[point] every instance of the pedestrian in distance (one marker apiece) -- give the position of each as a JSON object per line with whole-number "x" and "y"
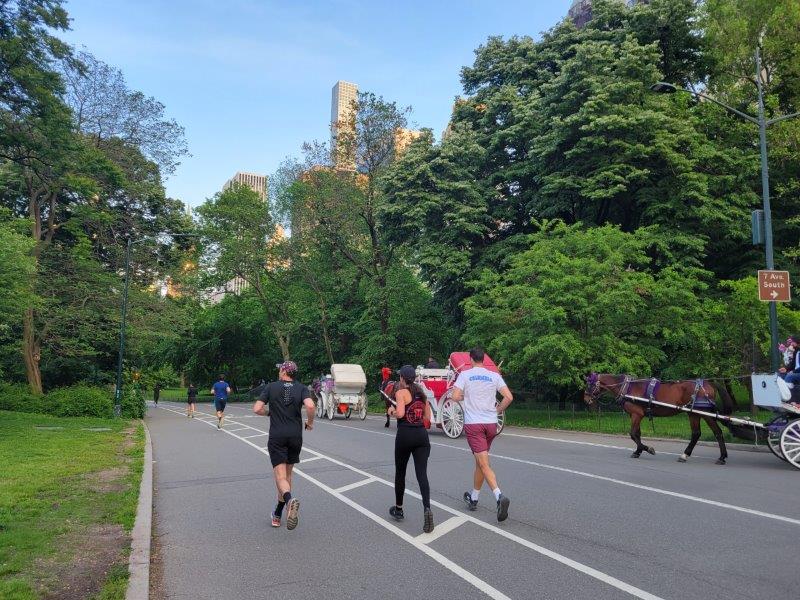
{"x": 413, "y": 419}
{"x": 191, "y": 400}
{"x": 156, "y": 393}
{"x": 283, "y": 401}
{"x": 220, "y": 389}
{"x": 477, "y": 388}
{"x": 386, "y": 373}
{"x": 432, "y": 363}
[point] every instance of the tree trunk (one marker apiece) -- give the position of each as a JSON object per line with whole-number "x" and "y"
{"x": 283, "y": 342}
{"x": 30, "y": 353}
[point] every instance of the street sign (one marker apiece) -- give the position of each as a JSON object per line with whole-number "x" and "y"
{"x": 773, "y": 286}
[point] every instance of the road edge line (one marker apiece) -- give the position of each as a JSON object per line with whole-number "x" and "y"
{"x": 139, "y": 562}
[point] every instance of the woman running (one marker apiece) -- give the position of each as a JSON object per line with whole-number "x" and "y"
{"x": 413, "y": 418}
{"x": 191, "y": 400}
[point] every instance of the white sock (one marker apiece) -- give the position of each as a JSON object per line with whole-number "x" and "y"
{"x": 496, "y": 492}
{"x": 474, "y": 495}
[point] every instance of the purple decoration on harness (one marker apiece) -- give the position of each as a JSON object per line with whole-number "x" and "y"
{"x": 652, "y": 388}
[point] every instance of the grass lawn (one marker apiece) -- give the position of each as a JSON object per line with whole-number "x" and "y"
{"x": 67, "y": 504}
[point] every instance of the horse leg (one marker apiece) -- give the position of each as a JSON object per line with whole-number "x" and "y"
{"x": 636, "y": 433}
{"x": 694, "y": 423}
{"x": 723, "y": 451}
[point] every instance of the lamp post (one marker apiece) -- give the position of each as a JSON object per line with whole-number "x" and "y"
{"x": 763, "y": 123}
{"x": 124, "y": 315}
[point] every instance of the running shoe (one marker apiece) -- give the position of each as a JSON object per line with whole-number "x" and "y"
{"x": 471, "y": 504}
{"x": 276, "y": 520}
{"x": 293, "y": 514}
{"x": 427, "y": 526}
{"x": 502, "y": 507}
{"x": 397, "y": 513}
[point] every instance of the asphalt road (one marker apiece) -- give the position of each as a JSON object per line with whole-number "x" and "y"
{"x": 586, "y": 520}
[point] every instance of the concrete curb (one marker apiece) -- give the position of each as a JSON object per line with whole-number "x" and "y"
{"x": 139, "y": 564}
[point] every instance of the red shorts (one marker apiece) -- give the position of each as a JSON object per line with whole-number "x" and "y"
{"x": 480, "y": 436}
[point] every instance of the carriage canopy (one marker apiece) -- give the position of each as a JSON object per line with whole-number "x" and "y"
{"x": 460, "y": 361}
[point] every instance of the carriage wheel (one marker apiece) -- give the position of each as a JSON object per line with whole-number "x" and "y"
{"x": 320, "y": 407}
{"x": 774, "y": 442}
{"x": 452, "y": 418}
{"x": 349, "y": 412}
{"x": 331, "y": 408}
{"x": 362, "y": 408}
{"x": 501, "y": 421}
{"x": 790, "y": 443}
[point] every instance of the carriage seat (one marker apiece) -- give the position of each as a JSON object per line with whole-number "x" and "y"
{"x": 437, "y": 386}
{"x": 784, "y": 389}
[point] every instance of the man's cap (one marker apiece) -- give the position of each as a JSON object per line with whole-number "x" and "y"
{"x": 287, "y": 367}
{"x": 408, "y": 372}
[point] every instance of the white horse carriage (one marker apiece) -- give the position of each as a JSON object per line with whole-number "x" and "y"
{"x": 342, "y": 392}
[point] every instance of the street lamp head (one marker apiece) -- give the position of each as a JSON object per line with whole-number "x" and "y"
{"x": 662, "y": 87}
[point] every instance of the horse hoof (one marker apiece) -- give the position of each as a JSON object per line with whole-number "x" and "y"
{"x": 682, "y": 459}
{"x": 651, "y": 450}
{"x": 720, "y": 461}
{"x": 636, "y": 455}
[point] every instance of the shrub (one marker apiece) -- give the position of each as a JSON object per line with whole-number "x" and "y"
{"x": 18, "y": 397}
{"x": 80, "y": 401}
{"x": 133, "y": 405}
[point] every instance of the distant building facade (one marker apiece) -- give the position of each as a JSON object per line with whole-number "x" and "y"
{"x": 581, "y": 10}
{"x": 256, "y": 182}
{"x": 403, "y": 138}
{"x": 343, "y": 95}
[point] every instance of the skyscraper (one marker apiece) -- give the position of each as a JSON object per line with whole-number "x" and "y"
{"x": 581, "y": 10}
{"x": 343, "y": 95}
{"x": 403, "y": 138}
{"x": 257, "y": 183}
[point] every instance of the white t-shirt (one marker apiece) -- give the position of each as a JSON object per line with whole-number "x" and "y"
{"x": 480, "y": 387}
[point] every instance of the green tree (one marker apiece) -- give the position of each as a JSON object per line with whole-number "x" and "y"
{"x": 241, "y": 242}
{"x": 555, "y": 313}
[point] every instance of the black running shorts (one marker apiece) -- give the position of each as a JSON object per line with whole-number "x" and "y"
{"x": 284, "y": 449}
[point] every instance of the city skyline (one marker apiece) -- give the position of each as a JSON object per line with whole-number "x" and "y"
{"x": 250, "y": 81}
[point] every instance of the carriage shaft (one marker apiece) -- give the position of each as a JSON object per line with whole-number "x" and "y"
{"x": 702, "y": 413}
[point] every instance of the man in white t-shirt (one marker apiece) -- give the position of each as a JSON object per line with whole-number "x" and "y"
{"x": 477, "y": 388}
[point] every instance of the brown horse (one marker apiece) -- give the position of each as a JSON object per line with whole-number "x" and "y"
{"x": 677, "y": 393}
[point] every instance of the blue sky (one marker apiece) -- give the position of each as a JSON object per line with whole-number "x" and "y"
{"x": 250, "y": 80}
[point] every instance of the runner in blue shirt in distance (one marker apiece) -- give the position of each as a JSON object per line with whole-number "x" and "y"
{"x": 220, "y": 389}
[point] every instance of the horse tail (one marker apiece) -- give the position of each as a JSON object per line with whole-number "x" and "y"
{"x": 726, "y": 400}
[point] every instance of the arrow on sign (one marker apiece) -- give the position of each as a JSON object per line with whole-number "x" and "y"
{"x": 774, "y": 294}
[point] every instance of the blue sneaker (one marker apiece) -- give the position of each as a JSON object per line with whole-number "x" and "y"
{"x": 471, "y": 504}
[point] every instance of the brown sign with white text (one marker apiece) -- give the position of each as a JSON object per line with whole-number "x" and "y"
{"x": 773, "y": 286}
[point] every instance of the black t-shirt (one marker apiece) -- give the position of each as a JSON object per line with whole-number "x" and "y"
{"x": 192, "y": 392}
{"x": 285, "y": 401}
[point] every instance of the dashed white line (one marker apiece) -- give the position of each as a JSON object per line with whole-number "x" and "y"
{"x": 357, "y": 484}
{"x": 444, "y": 561}
{"x": 734, "y": 507}
{"x": 441, "y": 529}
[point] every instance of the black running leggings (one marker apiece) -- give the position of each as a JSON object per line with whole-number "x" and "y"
{"x": 411, "y": 441}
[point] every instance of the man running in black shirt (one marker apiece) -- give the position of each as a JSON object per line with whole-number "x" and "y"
{"x": 282, "y": 400}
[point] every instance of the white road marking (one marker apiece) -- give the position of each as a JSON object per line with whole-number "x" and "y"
{"x": 444, "y": 561}
{"x": 734, "y": 507}
{"x": 240, "y": 428}
{"x": 352, "y": 486}
{"x": 454, "y": 568}
{"x": 305, "y": 460}
{"x": 440, "y": 530}
{"x": 247, "y": 437}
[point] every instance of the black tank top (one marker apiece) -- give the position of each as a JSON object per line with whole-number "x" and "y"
{"x": 415, "y": 410}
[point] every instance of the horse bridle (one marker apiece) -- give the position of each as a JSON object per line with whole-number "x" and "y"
{"x": 596, "y": 388}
